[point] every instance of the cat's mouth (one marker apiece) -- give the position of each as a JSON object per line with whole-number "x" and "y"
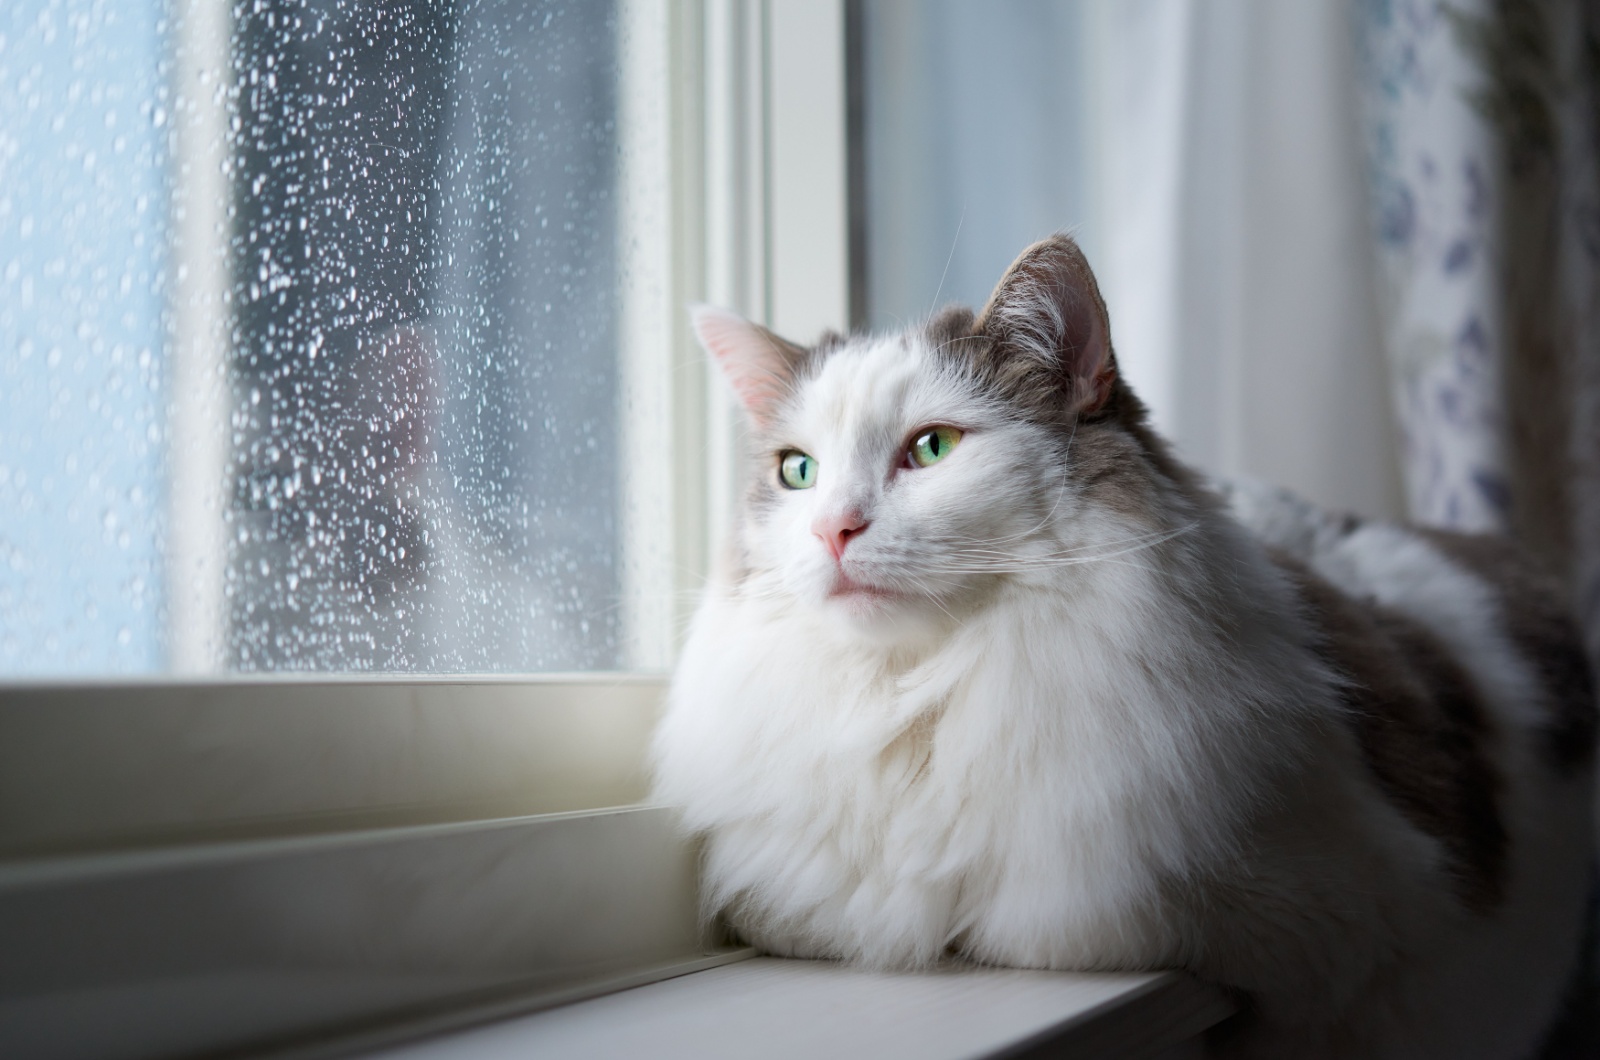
{"x": 847, "y": 588}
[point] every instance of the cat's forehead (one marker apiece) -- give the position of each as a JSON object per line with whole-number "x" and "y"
{"x": 876, "y": 380}
{"x": 872, "y": 372}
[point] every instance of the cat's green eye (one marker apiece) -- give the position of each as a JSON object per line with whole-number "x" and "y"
{"x": 797, "y": 470}
{"x": 933, "y": 445}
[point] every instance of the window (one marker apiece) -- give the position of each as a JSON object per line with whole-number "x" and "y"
{"x": 423, "y": 380}
{"x": 330, "y": 327}
{"x": 347, "y": 337}
{"x": 230, "y": 275}
{"x": 82, "y": 148}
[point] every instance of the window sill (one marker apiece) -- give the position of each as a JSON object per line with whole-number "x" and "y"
{"x": 796, "y": 1009}
{"x": 322, "y": 944}
{"x": 180, "y": 874}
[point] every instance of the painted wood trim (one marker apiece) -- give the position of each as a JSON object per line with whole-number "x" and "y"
{"x": 87, "y": 768}
{"x": 308, "y": 944}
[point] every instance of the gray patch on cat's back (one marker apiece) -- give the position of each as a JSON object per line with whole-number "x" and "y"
{"x": 1543, "y": 632}
{"x": 1422, "y": 728}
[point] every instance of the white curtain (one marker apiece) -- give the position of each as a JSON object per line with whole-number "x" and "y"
{"x": 1236, "y": 253}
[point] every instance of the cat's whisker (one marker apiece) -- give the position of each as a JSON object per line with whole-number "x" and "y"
{"x": 1026, "y": 569}
{"x": 1148, "y": 540}
{"x": 1061, "y": 490}
{"x": 978, "y": 544}
{"x": 1023, "y": 564}
{"x": 955, "y": 241}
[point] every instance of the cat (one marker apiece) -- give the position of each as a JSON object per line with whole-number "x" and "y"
{"x": 989, "y": 673}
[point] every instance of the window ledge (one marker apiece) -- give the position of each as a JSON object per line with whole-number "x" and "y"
{"x": 327, "y": 944}
{"x": 177, "y": 878}
{"x": 791, "y": 1009}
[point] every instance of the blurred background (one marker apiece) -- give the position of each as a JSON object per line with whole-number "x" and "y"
{"x": 312, "y": 343}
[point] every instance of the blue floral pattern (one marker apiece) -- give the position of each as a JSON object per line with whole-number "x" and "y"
{"x": 1483, "y": 136}
{"x": 1432, "y": 170}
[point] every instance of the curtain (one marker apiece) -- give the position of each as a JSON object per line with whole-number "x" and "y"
{"x": 1481, "y": 127}
{"x": 1482, "y": 119}
{"x": 1235, "y": 254}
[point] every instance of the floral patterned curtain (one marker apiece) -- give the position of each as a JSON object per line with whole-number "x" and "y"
{"x": 1482, "y": 125}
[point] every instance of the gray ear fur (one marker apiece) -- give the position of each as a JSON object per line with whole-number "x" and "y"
{"x": 1049, "y": 327}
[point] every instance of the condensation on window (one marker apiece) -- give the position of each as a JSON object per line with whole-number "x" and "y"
{"x": 390, "y": 442}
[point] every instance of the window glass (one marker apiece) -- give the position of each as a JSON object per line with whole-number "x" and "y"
{"x": 309, "y": 340}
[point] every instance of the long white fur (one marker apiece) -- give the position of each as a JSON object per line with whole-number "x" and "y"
{"x": 1041, "y": 754}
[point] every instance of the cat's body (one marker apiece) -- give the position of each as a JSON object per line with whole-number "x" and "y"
{"x": 1044, "y": 702}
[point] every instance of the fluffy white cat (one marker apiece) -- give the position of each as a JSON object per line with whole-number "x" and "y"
{"x": 988, "y": 672}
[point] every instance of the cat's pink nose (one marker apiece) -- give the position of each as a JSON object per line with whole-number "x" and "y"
{"x": 836, "y": 530}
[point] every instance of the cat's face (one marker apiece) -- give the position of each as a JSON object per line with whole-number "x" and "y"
{"x": 899, "y": 479}
{"x": 892, "y": 489}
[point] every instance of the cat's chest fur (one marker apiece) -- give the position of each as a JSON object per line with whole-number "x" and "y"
{"x": 1016, "y": 789}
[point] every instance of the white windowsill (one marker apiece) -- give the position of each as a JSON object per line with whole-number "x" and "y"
{"x": 782, "y": 1009}
{"x": 169, "y": 849}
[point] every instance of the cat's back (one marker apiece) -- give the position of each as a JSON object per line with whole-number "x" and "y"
{"x": 1470, "y": 698}
{"x": 1464, "y": 621}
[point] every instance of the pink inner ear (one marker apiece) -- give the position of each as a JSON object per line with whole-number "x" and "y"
{"x": 1088, "y": 351}
{"x": 752, "y": 359}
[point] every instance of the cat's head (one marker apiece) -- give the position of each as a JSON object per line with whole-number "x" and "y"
{"x": 897, "y": 480}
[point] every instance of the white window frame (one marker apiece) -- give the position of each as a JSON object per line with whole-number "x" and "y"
{"x": 741, "y": 105}
{"x": 110, "y": 786}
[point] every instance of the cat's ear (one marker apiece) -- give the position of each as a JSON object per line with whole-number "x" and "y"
{"x": 1046, "y": 318}
{"x": 760, "y": 366}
